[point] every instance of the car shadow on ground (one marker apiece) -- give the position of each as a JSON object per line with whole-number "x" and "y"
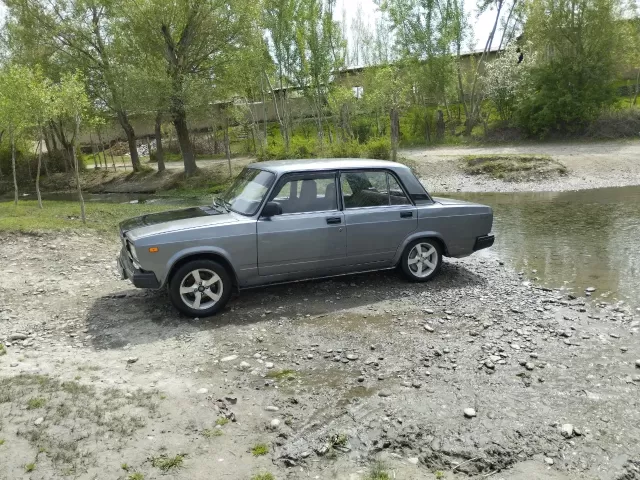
{"x": 135, "y": 316}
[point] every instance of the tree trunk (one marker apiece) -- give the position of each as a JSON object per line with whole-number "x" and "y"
{"x": 104, "y": 154}
{"x": 13, "y": 167}
{"x": 159, "y": 149}
{"x": 395, "y": 133}
{"x": 113, "y": 160}
{"x": 635, "y": 97}
{"x": 123, "y": 119}
{"x": 283, "y": 128}
{"x": 93, "y": 152}
{"x": 227, "y": 146}
{"x": 182, "y": 132}
{"x": 440, "y": 125}
{"x": 75, "y": 164}
{"x": 38, "y": 172}
{"x": 148, "y": 147}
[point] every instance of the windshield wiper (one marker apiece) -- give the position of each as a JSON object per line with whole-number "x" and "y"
{"x": 220, "y": 204}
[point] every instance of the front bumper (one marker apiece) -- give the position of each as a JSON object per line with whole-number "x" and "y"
{"x": 139, "y": 278}
{"x": 485, "y": 241}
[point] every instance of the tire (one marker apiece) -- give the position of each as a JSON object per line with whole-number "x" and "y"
{"x": 203, "y": 294}
{"x": 429, "y": 267}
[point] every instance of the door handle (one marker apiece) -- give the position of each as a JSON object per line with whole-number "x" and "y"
{"x": 333, "y": 220}
{"x": 406, "y": 214}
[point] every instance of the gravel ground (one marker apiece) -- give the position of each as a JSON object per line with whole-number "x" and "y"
{"x": 590, "y": 165}
{"x": 476, "y": 374}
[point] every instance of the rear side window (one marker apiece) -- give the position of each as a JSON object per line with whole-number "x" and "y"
{"x": 307, "y": 193}
{"x": 371, "y": 189}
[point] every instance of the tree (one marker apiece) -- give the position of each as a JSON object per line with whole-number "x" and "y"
{"x": 196, "y": 40}
{"x": 580, "y": 46}
{"x": 71, "y": 102}
{"x": 83, "y": 33}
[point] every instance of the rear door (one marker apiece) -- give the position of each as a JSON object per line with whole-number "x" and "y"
{"x": 378, "y": 214}
{"x": 309, "y": 237}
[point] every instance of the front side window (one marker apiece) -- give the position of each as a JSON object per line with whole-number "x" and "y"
{"x": 307, "y": 193}
{"x": 371, "y": 189}
{"x": 248, "y": 190}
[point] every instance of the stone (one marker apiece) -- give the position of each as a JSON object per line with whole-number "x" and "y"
{"x": 384, "y": 393}
{"x": 17, "y": 336}
{"x": 416, "y": 384}
{"x": 271, "y": 408}
{"x": 352, "y": 357}
{"x": 590, "y": 289}
{"x": 548, "y": 461}
{"x": 274, "y": 424}
{"x": 244, "y": 366}
{"x": 428, "y": 327}
{"x": 203, "y": 391}
{"x": 489, "y": 364}
{"x": 231, "y": 400}
{"x": 269, "y": 365}
{"x": 529, "y": 366}
{"x": 229, "y": 358}
{"x": 310, "y": 356}
{"x": 38, "y": 421}
{"x": 131, "y": 360}
{"x": 469, "y": 412}
{"x": 638, "y": 363}
{"x": 567, "y": 430}
{"x": 413, "y": 460}
{"x": 428, "y": 311}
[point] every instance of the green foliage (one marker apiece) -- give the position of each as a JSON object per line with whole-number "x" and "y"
{"x": 212, "y": 432}
{"x": 378, "y": 148}
{"x": 346, "y": 149}
{"x": 263, "y": 476}
{"x": 260, "y": 449}
{"x": 35, "y": 403}
{"x": 378, "y": 471}
{"x": 166, "y": 463}
{"x": 513, "y": 167}
{"x": 281, "y": 374}
{"x": 3, "y": 349}
{"x": 222, "y": 421}
{"x": 135, "y": 476}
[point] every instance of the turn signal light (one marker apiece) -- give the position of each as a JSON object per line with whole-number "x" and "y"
{"x": 153, "y": 249}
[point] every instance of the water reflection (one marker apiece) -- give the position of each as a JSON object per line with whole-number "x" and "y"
{"x": 572, "y": 239}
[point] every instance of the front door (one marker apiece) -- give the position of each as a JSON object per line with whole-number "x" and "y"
{"x": 379, "y": 216}
{"x": 309, "y": 237}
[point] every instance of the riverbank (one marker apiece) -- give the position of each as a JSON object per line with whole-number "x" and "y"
{"x": 474, "y": 374}
{"x": 589, "y": 165}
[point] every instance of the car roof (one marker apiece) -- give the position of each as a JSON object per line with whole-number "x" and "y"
{"x": 285, "y": 166}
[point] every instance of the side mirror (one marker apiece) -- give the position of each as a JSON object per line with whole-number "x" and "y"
{"x": 271, "y": 209}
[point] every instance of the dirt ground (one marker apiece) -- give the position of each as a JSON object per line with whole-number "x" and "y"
{"x": 589, "y": 164}
{"x": 319, "y": 380}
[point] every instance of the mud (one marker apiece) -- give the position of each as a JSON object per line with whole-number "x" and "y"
{"x": 356, "y": 377}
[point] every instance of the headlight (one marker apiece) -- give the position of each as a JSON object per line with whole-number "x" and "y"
{"x": 134, "y": 254}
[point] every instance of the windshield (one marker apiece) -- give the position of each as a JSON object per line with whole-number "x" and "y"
{"x": 248, "y": 190}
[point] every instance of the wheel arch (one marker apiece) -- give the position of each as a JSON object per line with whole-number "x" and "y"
{"x": 208, "y": 255}
{"x": 435, "y": 236}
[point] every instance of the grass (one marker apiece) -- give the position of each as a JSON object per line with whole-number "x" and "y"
{"x": 35, "y": 403}
{"x": 1, "y": 441}
{"x": 3, "y": 349}
{"x": 65, "y": 216}
{"x": 378, "y": 471}
{"x": 260, "y": 449}
{"x": 281, "y": 374}
{"x": 222, "y": 421}
{"x": 166, "y": 463}
{"x": 212, "y": 432}
{"x": 29, "y": 467}
{"x": 263, "y": 476}
{"x": 513, "y": 167}
{"x": 135, "y": 476}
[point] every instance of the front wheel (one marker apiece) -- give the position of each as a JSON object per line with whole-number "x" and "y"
{"x": 422, "y": 260}
{"x": 200, "y": 288}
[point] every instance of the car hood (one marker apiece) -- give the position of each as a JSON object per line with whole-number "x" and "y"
{"x": 174, "y": 220}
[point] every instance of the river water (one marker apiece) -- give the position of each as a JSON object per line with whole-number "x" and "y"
{"x": 570, "y": 240}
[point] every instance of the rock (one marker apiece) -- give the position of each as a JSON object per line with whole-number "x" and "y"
{"x": 352, "y": 357}
{"x": 17, "y": 336}
{"x": 269, "y": 365}
{"x": 548, "y": 461}
{"x": 529, "y": 366}
{"x": 274, "y": 424}
{"x": 360, "y": 379}
{"x": 416, "y": 384}
{"x": 567, "y": 430}
{"x": 13, "y": 364}
{"x": 131, "y": 360}
{"x": 229, "y": 358}
{"x": 310, "y": 356}
{"x": 384, "y": 393}
{"x": 590, "y": 289}
{"x": 638, "y": 363}
{"x": 428, "y": 327}
{"x": 469, "y": 412}
{"x": 515, "y": 346}
{"x": 231, "y": 400}
{"x": 271, "y": 408}
{"x": 489, "y": 364}
{"x": 413, "y": 460}
{"x": 202, "y": 391}
{"x": 38, "y": 421}
{"x": 244, "y": 366}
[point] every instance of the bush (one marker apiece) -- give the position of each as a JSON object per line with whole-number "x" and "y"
{"x": 348, "y": 149}
{"x": 616, "y": 124}
{"x": 378, "y": 148}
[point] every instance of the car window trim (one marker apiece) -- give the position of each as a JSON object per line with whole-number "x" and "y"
{"x": 388, "y": 172}
{"x": 265, "y": 196}
{"x": 289, "y": 176}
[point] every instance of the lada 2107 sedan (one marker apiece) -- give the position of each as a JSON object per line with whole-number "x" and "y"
{"x": 285, "y": 221}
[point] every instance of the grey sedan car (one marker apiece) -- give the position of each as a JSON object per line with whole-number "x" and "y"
{"x": 294, "y": 220}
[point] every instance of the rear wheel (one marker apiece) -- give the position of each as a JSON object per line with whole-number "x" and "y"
{"x": 200, "y": 288}
{"x": 422, "y": 259}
